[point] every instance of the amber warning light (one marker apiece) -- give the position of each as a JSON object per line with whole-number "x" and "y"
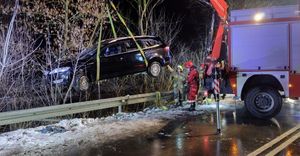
{"x": 234, "y": 86}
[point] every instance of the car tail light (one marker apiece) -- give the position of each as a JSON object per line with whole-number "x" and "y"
{"x": 167, "y": 49}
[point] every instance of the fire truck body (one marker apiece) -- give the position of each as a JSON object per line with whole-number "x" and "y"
{"x": 264, "y": 55}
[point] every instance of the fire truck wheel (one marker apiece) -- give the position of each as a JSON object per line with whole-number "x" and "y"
{"x": 263, "y": 102}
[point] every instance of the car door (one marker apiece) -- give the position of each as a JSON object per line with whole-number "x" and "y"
{"x": 112, "y": 62}
{"x": 133, "y": 57}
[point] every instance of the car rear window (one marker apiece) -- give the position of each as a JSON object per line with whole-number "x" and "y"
{"x": 151, "y": 42}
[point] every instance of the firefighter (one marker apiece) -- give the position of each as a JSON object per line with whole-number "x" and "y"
{"x": 178, "y": 79}
{"x": 201, "y": 74}
{"x": 193, "y": 84}
{"x": 185, "y": 90}
{"x": 202, "y": 95}
{"x": 223, "y": 71}
{"x": 208, "y": 76}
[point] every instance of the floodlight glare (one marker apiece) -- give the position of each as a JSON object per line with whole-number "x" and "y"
{"x": 259, "y": 16}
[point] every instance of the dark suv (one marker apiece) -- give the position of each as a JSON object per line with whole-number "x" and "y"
{"x": 118, "y": 57}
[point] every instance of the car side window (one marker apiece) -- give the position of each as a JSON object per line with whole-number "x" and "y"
{"x": 113, "y": 50}
{"x": 148, "y": 43}
{"x": 130, "y": 45}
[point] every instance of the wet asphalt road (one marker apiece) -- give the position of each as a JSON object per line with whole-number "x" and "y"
{"x": 241, "y": 135}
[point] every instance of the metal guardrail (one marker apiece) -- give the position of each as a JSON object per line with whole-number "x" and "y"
{"x": 34, "y": 114}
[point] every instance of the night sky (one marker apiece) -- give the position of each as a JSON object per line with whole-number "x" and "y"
{"x": 195, "y": 19}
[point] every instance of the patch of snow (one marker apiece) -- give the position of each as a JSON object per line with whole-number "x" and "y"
{"x": 75, "y": 135}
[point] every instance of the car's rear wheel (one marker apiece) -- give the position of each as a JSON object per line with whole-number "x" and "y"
{"x": 154, "y": 69}
{"x": 81, "y": 83}
{"x": 263, "y": 102}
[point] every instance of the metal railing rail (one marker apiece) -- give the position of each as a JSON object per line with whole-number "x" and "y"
{"x": 34, "y": 114}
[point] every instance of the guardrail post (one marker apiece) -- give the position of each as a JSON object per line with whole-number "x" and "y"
{"x": 158, "y": 98}
{"x": 119, "y": 109}
{"x": 124, "y": 102}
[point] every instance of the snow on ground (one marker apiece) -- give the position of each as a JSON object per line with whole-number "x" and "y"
{"x": 68, "y": 137}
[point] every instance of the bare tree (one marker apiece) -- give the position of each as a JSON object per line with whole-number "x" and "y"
{"x": 145, "y": 10}
{"x": 165, "y": 27}
{"x": 5, "y": 53}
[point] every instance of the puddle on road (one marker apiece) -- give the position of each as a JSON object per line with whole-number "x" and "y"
{"x": 241, "y": 135}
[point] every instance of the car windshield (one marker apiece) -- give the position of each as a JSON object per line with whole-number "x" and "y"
{"x": 88, "y": 53}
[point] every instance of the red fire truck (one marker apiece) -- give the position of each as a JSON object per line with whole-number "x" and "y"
{"x": 263, "y": 55}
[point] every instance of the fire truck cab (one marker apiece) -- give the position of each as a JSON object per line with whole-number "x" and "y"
{"x": 264, "y": 57}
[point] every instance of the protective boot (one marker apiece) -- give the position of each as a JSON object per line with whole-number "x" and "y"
{"x": 179, "y": 104}
{"x": 223, "y": 96}
{"x": 193, "y": 107}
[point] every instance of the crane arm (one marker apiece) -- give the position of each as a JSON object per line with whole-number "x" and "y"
{"x": 221, "y": 8}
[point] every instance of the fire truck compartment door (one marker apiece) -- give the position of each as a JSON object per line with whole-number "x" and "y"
{"x": 260, "y": 46}
{"x": 295, "y": 47}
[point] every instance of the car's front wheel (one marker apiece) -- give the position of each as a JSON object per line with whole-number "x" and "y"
{"x": 154, "y": 69}
{"x": 81, "y": 83}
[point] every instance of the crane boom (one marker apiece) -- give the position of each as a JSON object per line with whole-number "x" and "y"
{"x": 221, "y": 8}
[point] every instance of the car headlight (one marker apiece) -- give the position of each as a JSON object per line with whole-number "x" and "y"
{"x": 45, "y": 72}
{"x": 59, "y": 70}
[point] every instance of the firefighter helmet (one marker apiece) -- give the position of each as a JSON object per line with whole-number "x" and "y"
{"x": 180, "y": 67}
{"x": 188, "y": 64}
